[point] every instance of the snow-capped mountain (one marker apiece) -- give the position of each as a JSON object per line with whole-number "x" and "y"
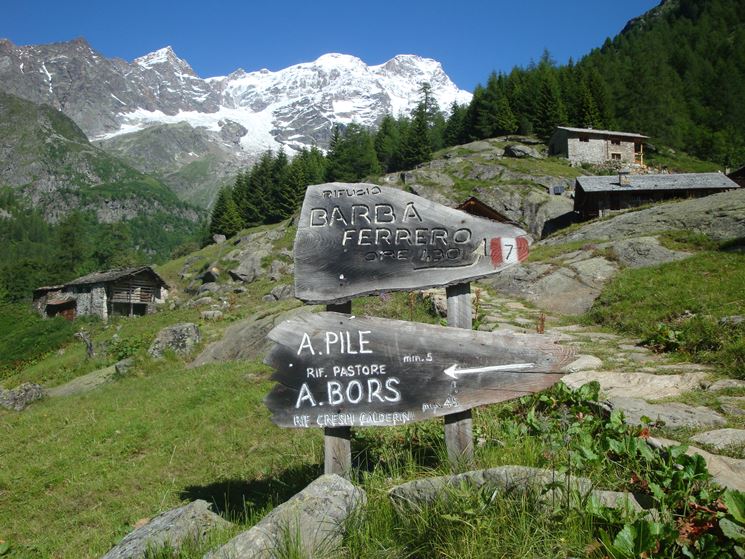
{"x": 244, "y": 113}
{"x": 295, "y": 106}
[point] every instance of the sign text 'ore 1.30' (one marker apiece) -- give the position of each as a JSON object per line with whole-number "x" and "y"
{"x": 358, "y": 239}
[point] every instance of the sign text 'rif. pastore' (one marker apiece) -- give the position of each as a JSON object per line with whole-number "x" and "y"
{"x": 337, "y": 370}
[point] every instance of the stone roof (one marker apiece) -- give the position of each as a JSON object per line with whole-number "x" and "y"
{"x": 104, "y": 277}
{"x": 681, "y": 181}
{"x": 601, "y": 132}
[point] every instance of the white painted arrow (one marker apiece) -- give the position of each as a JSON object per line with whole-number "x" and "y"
{"x": 453, "y": 370}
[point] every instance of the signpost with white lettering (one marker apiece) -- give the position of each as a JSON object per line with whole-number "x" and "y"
{"x": 357, "y": 239}
{"x": 336, "y": 371}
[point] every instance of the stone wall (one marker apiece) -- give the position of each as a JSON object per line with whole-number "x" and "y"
{"x": 599, "y": 150}
{"x": 91, "y": 300}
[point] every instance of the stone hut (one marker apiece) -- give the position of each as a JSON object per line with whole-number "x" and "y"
{"x": 597, "y": 196}
{"x": 587, "y": 145}
{"x": 127, "y": 292}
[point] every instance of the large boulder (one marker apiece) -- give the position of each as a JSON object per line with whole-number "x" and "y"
{"x": 312, "y": 521}
{"x": 643, "y": 251}
{"x": 187, "y": 524}
{"x": 179, "y": 338}
{"x": 245, "y": 339}
{"x": 21, "y": 396}
{"x": 520, "y": 151}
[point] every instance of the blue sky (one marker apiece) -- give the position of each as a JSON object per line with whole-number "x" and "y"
{"x": 470, "y": 37}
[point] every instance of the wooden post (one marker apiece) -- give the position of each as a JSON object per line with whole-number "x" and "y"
{"x": 337, "y": 447}
{"x": 459, "y": 426}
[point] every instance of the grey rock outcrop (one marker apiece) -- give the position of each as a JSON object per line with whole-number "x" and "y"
{"x": 569, "y": 289}
{"x": 21, "y": 396}
{"x": 520, "y": 151}
{"x": 282, "y": 292}
{"x": 721, "y": 439}
{"x": 245, "y": 339}
{"x": 584, "y": 363}
{"x": 250, "y": 253}
{"x": 718, "y": 216}
{"x": 189, "y": 523}
{"x": 507, "y": 480}
{"x": 672, "y": 414}
{"x": 727, "y": 384}
{"x": 643, "y": 251}
{"x": 85, "y": 383}
{"x": 179, "y": 338}
{"x": 518, "y": 480}
{"x": 638, "y": 385}
{"x": 313, "y": 521}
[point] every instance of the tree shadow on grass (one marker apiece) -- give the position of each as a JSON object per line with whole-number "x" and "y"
{"x": 238, "y": 499}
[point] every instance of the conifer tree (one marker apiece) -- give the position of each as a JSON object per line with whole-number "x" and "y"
{"x": 551, "y": 111}
{"x": 589, "y": 116}
{"x": 353, "y": 156}
{"x": 416, "y": 148}
{"x": 388, "y": 144}
{"x": 226, "y": 219}
{"x": 455, "y": 125}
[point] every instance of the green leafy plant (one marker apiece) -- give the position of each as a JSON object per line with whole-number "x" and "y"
{"x": 123, "y": 347}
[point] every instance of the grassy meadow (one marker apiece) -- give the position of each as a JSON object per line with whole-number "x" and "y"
{"x": 77, "y": 473}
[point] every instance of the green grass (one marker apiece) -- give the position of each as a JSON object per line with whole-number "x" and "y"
{"x": 547, "y": 253}
{"x": 26, "y": 338}
{"x": 678, "y": 306}
{"x": 679, "y": 162}
{"x": 78, "y": 472}
{"x": 552, "y": 166}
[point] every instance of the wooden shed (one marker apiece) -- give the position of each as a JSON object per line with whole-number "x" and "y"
{"x": 127, "y": 291}
{"x": 474, "y": 206}
{"x": 738, "y": 176}
{"x": 595, "y": 196}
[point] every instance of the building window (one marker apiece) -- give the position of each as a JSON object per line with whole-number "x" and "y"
{"x": 584, "y": 138}
{"x": 615, "y": 156}
{"x": 616, "y": 142}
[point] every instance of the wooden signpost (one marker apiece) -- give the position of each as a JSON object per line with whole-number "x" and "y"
{"x": 356, "y": 239}
{"x": 336, "y": 371}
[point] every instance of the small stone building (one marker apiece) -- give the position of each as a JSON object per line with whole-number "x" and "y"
{"x": 127, "y": 292}
{"x": 587, "y": 145}
{"x": 597, "y": 196}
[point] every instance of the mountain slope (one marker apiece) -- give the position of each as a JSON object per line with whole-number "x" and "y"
{"x": 48, "y": 161}
{"x": 223, "y": 122}
{"x": 295, "y": 106}
{"x": 677, "y": 73}
{"x": 192, "y": 162}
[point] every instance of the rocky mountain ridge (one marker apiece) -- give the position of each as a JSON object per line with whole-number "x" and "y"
{"x": 107, "y": 97}
{"x": 230, "y": 120}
